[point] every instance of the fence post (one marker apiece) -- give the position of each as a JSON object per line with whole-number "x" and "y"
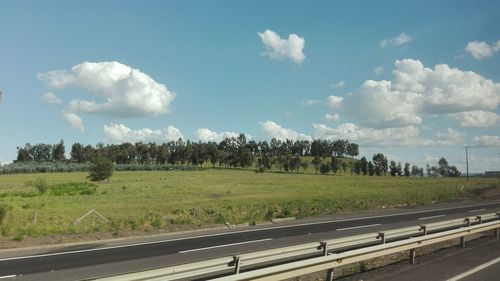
{"x": 35, "y": 216}
{"x": 462, "y": 241}
{"x": 413, "y": 254}
{"x": 497, "y": 233}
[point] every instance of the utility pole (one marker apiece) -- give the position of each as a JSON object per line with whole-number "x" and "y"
{"x": 467, "y": 160}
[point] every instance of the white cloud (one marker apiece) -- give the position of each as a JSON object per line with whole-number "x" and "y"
{"x": 338, "y": 85}
{"x": 310, "y": 102}
{"x": 51, "y": 98}
{"x": 119, "y": 133}
{"x": 334, "y": 102}
{"x": 74, "y": 120}
{"x": 481, "y": 50}
{"x": 402, "y": 136}
{"x": 378, "y": 70}
{"x": 332, "y": 117}
{"x": 278, "y": 48}
{"x": 476, "y": 119}
{"x": 206, "y": 135}
{"x": 273, "y": 130}
{"x": 417, "y": 90}
{"x": 377, "y": 104}
{"x": 399, "y": 40}
{"x": 451, "y": 137}
{"x": 126, "y": 92}
{"x": 487, "y": 141}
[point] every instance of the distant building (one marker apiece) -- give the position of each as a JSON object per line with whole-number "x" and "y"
{"x": 492, "y": 174}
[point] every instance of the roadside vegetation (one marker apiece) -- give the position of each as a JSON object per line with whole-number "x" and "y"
{"x": 50, "y": 203}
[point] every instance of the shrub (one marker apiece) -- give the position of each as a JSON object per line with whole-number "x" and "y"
{"x": 74, "y": 188}
{"x": 101, "y": 169}
{"x": 40, "y": 184}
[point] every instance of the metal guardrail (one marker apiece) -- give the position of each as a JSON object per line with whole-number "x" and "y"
{"x": 423, "y": 232}
{"x": 329, "y": 262}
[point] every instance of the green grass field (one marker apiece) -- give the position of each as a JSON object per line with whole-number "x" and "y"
{"x": 160, "y": 200}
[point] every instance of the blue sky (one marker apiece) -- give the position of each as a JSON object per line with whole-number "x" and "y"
{"x": 415, "y": 80}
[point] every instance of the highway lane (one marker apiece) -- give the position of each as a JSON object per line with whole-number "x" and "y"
{"x": 80, "y": 258}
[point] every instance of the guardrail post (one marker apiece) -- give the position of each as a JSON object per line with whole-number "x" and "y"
{"x": 497, "y": 233}
{"x": 329, "y": 275}
{"x": 324, "y": 246}
{"x": 480, "y": 219}
{"x": 413, "y": 255}
{"x": 467, "y": 220}
{"x": 424, "y": 229}
{"x": 237, "y": 264}
{"x": 462, "y": 241}
{"x": 381, "y": 235}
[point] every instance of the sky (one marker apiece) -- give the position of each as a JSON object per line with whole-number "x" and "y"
{"x": 415, "y": 80}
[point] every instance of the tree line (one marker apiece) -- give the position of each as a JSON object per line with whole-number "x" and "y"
{"x": 236, "y": 152}
{"x": 230, "y": 152}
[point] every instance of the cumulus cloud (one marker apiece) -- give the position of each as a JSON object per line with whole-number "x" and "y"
{"x": 122, "y": 91}
{"x": 378, "y": 70}
{"x": 417, "y": 90}
{"x": 273, "y": 130}
{"x": 334, "y": 102}
{"x": 51, "y": 98}
{"x": 402, "y": 136}
{"x": 476, "y": 119}
{"x": 310, "y": 102}
{"x": 332, "y": 117}
{"x": 206, "y": 135}
{"x": 338, "y": 85}
{"x": 399, "y": 40}
{"x": 486, "y": 141}
{"x": 278, "y": 48}
{"x": 74, "y": 120}
{"x": 119, "y": 133}
{"x": 481, "y": 50}
{"x": 451, "y": 137}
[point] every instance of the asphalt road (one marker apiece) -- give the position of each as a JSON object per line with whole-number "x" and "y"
{"x": 185, "y": 249}
{"x": 479, "y": 261}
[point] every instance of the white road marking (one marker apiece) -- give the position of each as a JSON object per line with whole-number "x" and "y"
{"x": 7, "y": 276}
{"x": 229, "y": 233}
{"x": 426, "y": 218}
{"x": 474, "y": 270}
{"x": 477, "y": 210}
{"x": 361, "y": 226}
{"x": 225, "y": 245}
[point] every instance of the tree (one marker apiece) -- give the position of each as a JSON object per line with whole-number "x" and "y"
{"x": 100, "y": 169}
{"x": 316, "y": 163}
{"x": 415, "y": 171}
{"x": 364, "y": 165}
{"x": 380, "y": 163}
{"x": 325, "y": 169}
{"x": 335, "y": 164}
{"x": 357, "y": 168}
{"x": 304, "y": 165}
{"x": 443, "y": 167}
{"x": 58, "y": 152}
{"x": 407, "y": 170}
{"x": 353, "y": 150}
{"x": 393, "y": 168}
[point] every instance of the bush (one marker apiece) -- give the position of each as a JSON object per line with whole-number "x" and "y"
{"x": 75, "y": 188}
{"x": 40, "y": 184}
{"x": 101, "y": 169}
